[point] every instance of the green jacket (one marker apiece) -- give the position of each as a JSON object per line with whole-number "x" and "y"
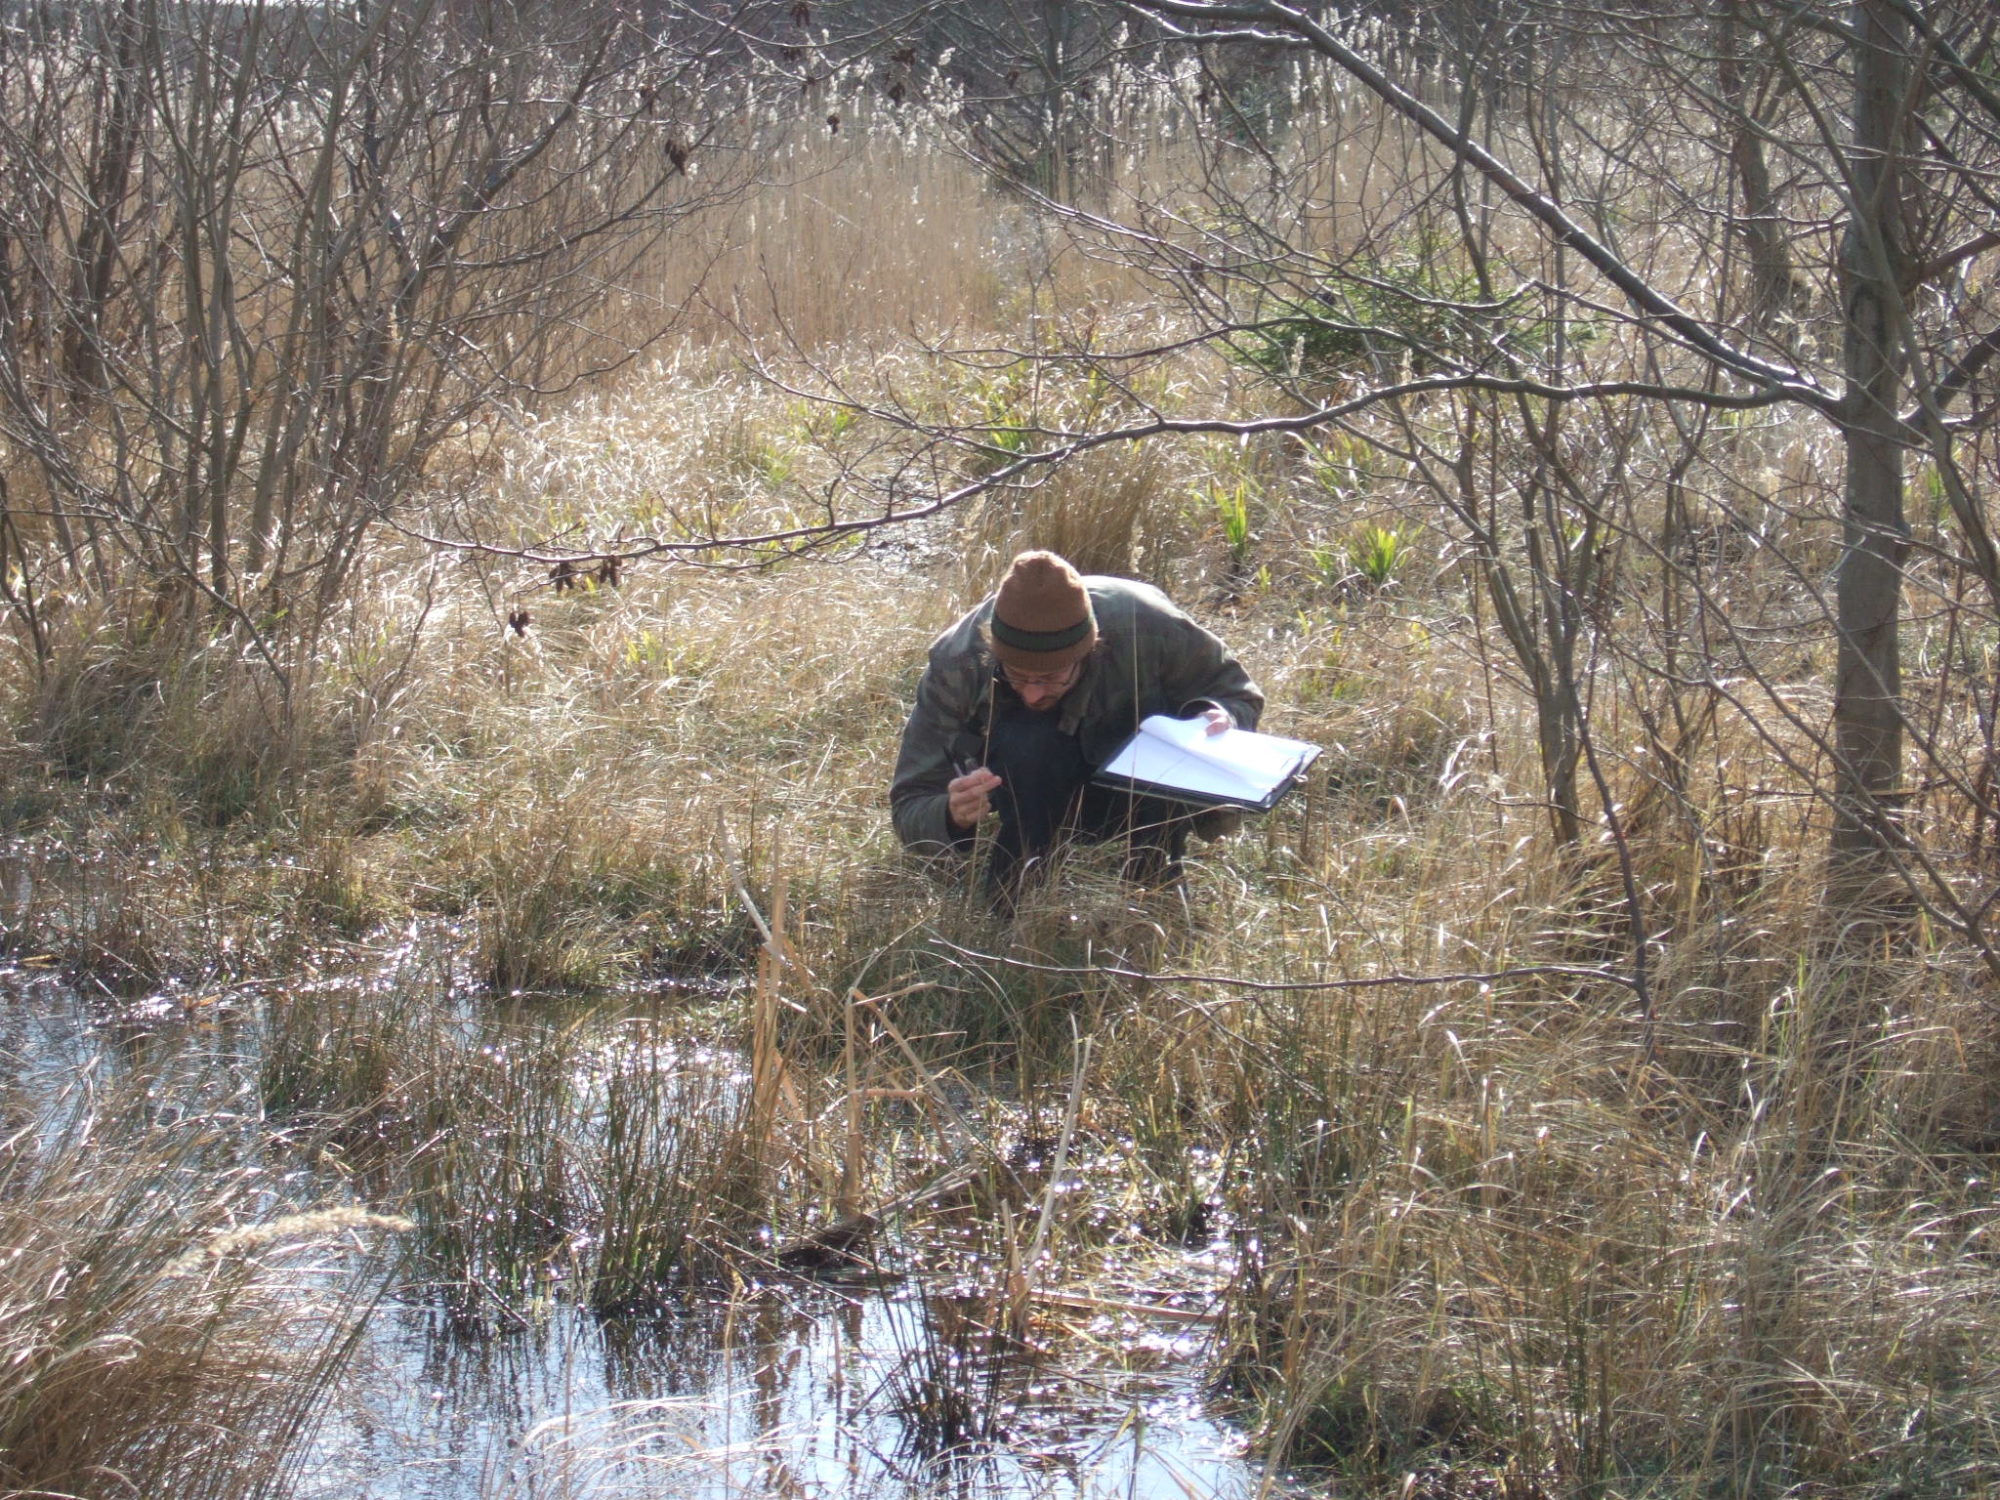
{"x": 1150, "y": 659}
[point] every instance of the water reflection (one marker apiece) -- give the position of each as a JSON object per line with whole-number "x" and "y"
{"x": 783, "y": 1389}
{"x": 786, "y": 1391}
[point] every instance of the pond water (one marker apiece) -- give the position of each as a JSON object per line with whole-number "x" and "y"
{"x": 784, "y": 1387}
{"x": 789, "y": 1391}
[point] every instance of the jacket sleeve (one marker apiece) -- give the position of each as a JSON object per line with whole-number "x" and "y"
{"x": 1204, "y": 672}
{"x": 923, "y": 767}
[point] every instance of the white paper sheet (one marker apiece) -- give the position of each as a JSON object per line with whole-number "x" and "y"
{"x": 1238, "y": 765}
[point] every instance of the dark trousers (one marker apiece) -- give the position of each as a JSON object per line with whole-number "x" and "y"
{"x": 1046, "y": 796}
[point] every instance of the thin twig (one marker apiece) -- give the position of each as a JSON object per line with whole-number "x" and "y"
{"x": 1379, "y": 981}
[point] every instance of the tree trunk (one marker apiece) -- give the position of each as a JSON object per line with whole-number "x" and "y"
{"x": 1868, "y": 730}
{"x": 110, "y": 175}
{"x": 1774, "y": 287}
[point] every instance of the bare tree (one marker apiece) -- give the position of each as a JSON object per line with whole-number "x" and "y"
{"x": 259, "y": 264}
{"x": 1839, "y": 286}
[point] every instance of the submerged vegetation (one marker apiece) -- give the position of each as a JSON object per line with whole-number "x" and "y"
{"x": 471, "y": 853}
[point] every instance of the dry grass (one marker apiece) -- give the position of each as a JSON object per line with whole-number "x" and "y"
{"x": 1478, "y": 1232}
{"x": 158, "y": 1339}
{"x": 1533, "y": 1233}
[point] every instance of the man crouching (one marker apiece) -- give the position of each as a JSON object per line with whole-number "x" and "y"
{"x": 1026, "y": 696}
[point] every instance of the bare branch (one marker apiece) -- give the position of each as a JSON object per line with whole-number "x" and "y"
{"x": 1299, "y": 986}
{"x": 1658, "y": 309}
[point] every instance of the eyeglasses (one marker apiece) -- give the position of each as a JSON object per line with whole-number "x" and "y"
{"x": 1039, "y": 681}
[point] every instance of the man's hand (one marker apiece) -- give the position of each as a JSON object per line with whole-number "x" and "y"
{"x": 1217, "y": 719}
{"x": 968, "y": 798}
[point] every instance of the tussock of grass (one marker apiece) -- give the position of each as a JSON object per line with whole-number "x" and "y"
{"x": 676, "y": 1182}
{"x": 157, "y": 1338}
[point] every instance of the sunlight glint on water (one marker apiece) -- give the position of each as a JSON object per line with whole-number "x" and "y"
{"x": 794, "y": 1390}
{"x": 789, "y": 1395}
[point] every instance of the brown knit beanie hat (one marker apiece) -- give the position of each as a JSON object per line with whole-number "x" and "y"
{"x": 1042, "y": 620}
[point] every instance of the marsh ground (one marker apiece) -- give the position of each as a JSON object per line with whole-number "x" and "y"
{"x": 567, "y": 968}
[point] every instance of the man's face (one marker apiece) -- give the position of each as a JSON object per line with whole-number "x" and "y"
{"x": 1042, "y": 691}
